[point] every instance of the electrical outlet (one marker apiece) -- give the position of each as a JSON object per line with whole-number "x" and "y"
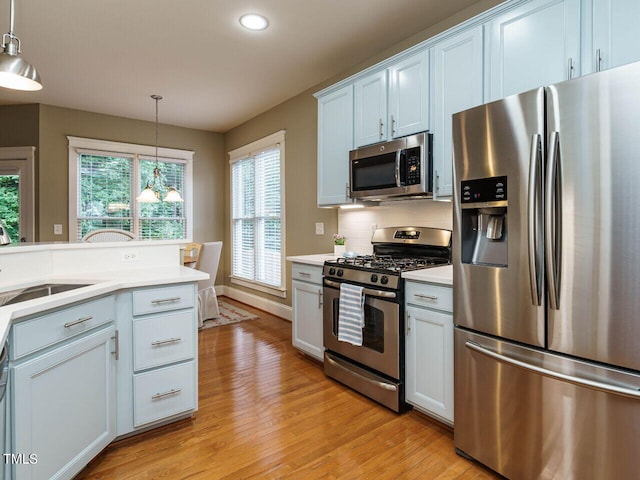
{"x": 374, "y": 227}
{"x": 130, "y": 256}
{"x": 320, "y": 228}
{"x": 57, "y": 229}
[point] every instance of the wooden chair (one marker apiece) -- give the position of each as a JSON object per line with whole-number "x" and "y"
{"x": 109, "y": 235}
{"x": 192, "y": 254}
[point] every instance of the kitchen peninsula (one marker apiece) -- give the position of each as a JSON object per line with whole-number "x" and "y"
{"x": 113, "y": 357}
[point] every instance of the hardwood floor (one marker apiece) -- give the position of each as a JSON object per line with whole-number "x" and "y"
{"x": 267, "y": 411}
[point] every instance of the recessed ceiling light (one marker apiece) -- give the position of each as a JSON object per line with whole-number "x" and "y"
{"x": 254, "y": 21}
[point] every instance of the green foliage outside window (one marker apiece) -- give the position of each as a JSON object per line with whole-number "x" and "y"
{"x": 10, "y": 205}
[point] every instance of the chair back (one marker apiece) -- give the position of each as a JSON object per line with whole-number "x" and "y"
{"x": 208, "y": 262}
{"x": 191, "y": 254}
{"x": 109, "y": 235}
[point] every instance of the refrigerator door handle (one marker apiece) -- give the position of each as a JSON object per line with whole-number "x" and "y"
{"x": 563, "y": 377}
{"x": 533, "y": 208}
{"x": 553, "y": 221}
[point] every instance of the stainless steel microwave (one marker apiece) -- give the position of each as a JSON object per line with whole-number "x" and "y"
{"x": 399, "y": 168}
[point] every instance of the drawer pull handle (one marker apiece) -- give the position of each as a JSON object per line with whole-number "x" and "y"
{"x": 173, "y": 391}
{"x": 80, "y": 320}
{"x": 159, "y": 343}
{"x": 427, "y": 297}
{"x": 304, "y": 274}
{"x": 165, "y": 300}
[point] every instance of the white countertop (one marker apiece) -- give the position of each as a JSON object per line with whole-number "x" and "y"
{"x": 158, "y": 264}
{"x": 442, "y": 275}
{"x": 317, "y": 259}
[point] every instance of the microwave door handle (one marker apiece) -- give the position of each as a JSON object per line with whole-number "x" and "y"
{"x": 398, "y": 157}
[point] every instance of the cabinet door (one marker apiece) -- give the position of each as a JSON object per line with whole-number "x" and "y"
{"x": 457, "y": 73}
{"x": 409, "y": 95}
{"x": 429, "y": 361}
{"x": 335, "y": 139}
{"x": 307, "y": 318}
{"x": 616, "y": 36}
{"x": 370, "y": 121}
{"x": 533, "y": 45}
{"x": 64, "y": 407}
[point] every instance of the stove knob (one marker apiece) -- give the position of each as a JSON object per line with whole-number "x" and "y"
{"x": 384, "y": 280}
{"x": 340, "y": 272}
{"x": 332, "y": 271}
{"x": 374, "y": 278}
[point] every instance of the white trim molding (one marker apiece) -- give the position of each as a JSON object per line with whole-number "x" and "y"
{"x": 274, "y": 308}
{"x": 23, "y": 159}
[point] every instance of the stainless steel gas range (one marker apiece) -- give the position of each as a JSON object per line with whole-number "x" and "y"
{"x": 374, "y": 366}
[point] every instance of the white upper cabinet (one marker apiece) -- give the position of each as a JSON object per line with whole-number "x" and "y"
{"x": 532, "y": 45}
{"x": 409, "y": 95}
{"x": 335, "y": 139}
{"x": 616, "y": 34}
{"x": 393, "y": 102}
{"x": 457, "y": 77}
{"x": 371, "y": 109}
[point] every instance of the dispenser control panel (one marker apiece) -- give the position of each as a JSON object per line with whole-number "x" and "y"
{"x": 491, "y": 189}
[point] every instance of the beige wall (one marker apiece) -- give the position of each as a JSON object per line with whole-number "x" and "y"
{"x": 56, "y": 123}
{"x": 298, "y": 116}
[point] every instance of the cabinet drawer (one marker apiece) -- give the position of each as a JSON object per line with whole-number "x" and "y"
{"x": 163, "y": 393}
{"x": 163, "y": 339}
{"x": 306, "y": 273}
{"x": 40, "y": 332}
{"x": 429, "y": 295}
{"x": 163, "y": 299}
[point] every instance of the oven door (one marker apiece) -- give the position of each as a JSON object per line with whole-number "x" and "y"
{"x": 380, "y": 348}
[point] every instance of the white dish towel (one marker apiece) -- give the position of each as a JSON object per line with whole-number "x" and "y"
{"x": 351, "y": 314}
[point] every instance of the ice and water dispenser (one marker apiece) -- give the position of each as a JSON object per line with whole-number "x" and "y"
{"x": 484, "y": 221}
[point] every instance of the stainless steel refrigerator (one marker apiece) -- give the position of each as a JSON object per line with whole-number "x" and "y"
{"x": 546, "y": 254}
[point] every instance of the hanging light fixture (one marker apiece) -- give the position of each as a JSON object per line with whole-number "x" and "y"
{"x": 15, "y": 72}
{"x": 151, "y": 193}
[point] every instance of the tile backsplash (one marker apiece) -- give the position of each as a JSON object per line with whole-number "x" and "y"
{"x": 357, "y": 224}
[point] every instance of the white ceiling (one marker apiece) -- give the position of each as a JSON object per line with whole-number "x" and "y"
{"x": 109, "y": 56}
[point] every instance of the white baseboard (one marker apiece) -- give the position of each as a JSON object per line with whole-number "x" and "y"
{"x": 274, "y": 308}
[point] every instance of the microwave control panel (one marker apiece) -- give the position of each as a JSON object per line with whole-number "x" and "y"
{"x": 412, "y": 159}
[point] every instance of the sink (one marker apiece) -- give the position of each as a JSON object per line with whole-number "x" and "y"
{"x": 22, "y": 295}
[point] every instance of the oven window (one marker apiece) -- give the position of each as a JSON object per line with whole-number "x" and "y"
{"x": 373, "y": 332}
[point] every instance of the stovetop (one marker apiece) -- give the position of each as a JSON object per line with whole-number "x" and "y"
{"x": 395, "y": 250}
{"x": 385, "y": 263}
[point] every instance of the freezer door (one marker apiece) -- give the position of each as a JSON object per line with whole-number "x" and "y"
{"x": 497, "y": 241}
{"x": 593, "y": 218}
{"x": 528, "y": 414}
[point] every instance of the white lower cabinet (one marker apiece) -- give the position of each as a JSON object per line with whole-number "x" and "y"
{"x": 307, "y": 310}
{"x": 63, "y": 405}
{"x": 429, "y": 350}
{"x": 158, "y": 368}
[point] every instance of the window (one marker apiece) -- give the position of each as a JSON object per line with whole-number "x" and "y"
{"x": 257, "y": 200}
{"x": 106, "y": 177}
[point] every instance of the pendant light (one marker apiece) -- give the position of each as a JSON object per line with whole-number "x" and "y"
{"x": 149, "y": 194}
{"x": 15, "y": 72}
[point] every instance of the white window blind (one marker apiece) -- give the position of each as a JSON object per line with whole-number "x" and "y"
{"x": 104, "y": 193}
{"x": 106, "y": 177}
{"x": 256, "y": 217}
{"x": 162, "y": 220}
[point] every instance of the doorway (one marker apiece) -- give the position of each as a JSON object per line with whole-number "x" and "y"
{"x": 17, "y": 192}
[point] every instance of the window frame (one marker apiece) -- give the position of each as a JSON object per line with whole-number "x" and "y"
{"x": 78, "y": 145}
{"x": 241, "y": 153}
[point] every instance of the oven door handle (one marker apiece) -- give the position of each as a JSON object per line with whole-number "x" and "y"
{"x": 385, "y": 386}
{"x": 365, "y": 291}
